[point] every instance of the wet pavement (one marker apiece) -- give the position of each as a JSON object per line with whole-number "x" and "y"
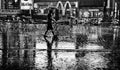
{"x": 77, "y": 48}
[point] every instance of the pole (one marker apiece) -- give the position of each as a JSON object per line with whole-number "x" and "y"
{"x": 4, "y": 51}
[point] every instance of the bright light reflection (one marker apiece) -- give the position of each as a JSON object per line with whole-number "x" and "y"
{"x": 64, "y": 45}
{"x": 61, "y": 45}
{"x": 41, "y": 45}
{"x": 96, "y": 60}
{"x": 64, "y": 60}
{"x": 92, "y": 47}
{"x": 41, "y": 59}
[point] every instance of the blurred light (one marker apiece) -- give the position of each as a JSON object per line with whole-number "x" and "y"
{"x": 74, "y": 12}
{"x": 80, "y": 14}
{"x": 16, "y": 0}
{"x": 35, "y": 5}
{"x": 86, "y": 14}
{"x": 93, "y": 36}
{"x": 40, "y": 11}
{"x": 100, "y": 14}
{"x": 108, "y": 4}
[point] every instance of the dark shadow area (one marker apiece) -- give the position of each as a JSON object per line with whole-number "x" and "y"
{"x": 4, "y": 51}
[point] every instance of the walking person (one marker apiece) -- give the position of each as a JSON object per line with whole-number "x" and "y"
{"x": 49, "y": 22}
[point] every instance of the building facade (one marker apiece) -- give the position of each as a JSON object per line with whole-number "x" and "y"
{"x": 69, "y": 6}
{"x": 9, "y": 7}
{"x": 87, "y": 8}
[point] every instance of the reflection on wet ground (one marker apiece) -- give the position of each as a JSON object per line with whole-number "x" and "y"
{"x": 85, "y": 48}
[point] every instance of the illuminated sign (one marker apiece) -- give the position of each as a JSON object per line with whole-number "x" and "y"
{"x": 64, "y": 7}
{"x": 90, "y": 13}
{"x": 26, "y": 4}
{"x": 8, "y": 11}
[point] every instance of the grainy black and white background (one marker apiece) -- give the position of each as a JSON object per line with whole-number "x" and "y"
{"x": 85, "y": 35}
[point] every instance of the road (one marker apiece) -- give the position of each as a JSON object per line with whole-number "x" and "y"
{"x": 77, "y": 48}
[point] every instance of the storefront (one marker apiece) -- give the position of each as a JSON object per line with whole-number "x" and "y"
{"x": 65, "y": 7}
